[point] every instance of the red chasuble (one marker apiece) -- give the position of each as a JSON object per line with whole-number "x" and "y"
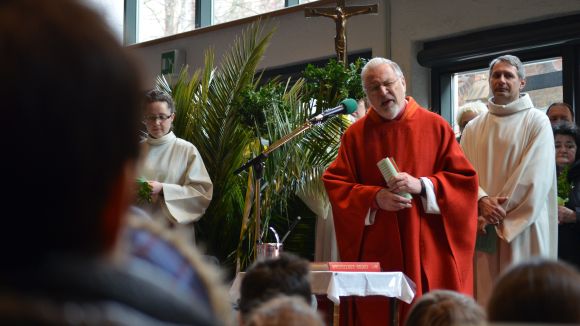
{"x": 435, "y": 251}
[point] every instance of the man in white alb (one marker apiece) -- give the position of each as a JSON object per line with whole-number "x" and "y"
{"x": 512, "y": 149}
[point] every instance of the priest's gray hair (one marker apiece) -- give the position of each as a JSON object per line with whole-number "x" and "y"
{"x": 377, "y": 61}
{"x": 512, "y": 60}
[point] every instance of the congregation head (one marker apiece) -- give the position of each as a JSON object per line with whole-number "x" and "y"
{"x": 468, "y": 112}
{"x": 75, "y": 108}
{"x": 265, "y": 279}
{"x": 445, "y": 308}
{"x": 566, "y": 142}
{"x": 285, "y": 311}
{"x": 538, "y": 290}
{"x": 560, "y": 111}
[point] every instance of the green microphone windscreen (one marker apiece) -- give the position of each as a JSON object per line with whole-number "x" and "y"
{"x": 349, "y": 105}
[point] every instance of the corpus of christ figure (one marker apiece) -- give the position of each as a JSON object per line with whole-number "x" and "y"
{"x": 340, "y": 14}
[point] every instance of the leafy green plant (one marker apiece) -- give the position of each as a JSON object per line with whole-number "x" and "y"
{"x": 143, "y": 191}
{"x": 230, "y": 117}
{"x": 330, "y": 84}
{"x": 564, "y": 186}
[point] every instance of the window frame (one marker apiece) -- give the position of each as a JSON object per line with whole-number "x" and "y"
{"x": 556, "y": 37}
{"x": 203, "y": 17}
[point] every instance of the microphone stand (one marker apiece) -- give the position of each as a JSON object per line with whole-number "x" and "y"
{"x": 258, "y": 163}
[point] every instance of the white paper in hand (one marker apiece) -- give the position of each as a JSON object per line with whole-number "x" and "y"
{"x": 389, "y": 169}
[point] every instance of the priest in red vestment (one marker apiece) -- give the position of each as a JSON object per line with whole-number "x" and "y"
{"x": 430, "y": 237}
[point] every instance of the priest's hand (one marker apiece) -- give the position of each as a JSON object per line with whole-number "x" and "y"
{"x": 390, "y": 201}
{"x": 490, "y": 209}
{"x": 404, "y": 182}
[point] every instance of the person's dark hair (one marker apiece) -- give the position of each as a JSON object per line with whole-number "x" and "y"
{"x": 74, "y": 112}
{"x": 445, "y": 308}
{"x": 288, "y": 274}
{"x": 284, "y": 311}
{"x": 567, "y": 129}
{"x": 155, "y": 95}
{"x": 539, "y": 291}
{"x": 561, "y": 104}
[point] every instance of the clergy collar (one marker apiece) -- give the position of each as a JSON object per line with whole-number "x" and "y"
{"x": 521, "y": 104}
{"x": 162, "y": 140}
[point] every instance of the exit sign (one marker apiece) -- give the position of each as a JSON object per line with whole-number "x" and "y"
{"x": 172, "y": 61}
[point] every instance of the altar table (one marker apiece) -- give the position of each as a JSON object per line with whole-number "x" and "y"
{"x": 395, "y": 285}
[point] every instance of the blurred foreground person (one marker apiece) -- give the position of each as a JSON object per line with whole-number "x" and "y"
{"x": 285, "y": 311}
{"x": 287, "y": 274}
{"x": 536, "y": 291}
{"x": 445, "y": 308}
{"x": 74, "y": 105}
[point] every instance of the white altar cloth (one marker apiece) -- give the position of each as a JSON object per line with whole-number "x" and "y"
{"x": 337, "y": 284}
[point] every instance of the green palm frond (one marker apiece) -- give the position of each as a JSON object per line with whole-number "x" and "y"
{"x": 208, "y": 117}
{"x": 226, "y": 113}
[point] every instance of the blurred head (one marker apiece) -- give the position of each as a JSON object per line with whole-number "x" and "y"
{"x": 506, "y": 79}
{"x": 565, "y": 139}
{"x": 384, "y": 86}
{"x": 75, "y": 108}
{"x": 536, "y": 291}
{"x": 445, "y": 308}
{"x": 560, "y": 112}
{"x": 285, "y": 311}
{"x": 159, "y": 113}
{"x": 361, "y": 109}
{"x": 265, "y": 279}
{"x": 468, "y": 112}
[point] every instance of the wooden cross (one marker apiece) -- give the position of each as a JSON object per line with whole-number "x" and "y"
{"x": 340, "y": 14}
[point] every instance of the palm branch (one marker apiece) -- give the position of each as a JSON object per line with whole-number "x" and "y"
{"x": 212, "y": 113}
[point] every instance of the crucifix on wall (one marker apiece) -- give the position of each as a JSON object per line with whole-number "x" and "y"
{"x": 340, "y": 14}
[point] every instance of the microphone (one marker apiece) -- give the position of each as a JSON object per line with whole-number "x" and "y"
{"x": 347, "y": 106}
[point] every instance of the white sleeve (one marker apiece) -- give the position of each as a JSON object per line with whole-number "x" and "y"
{"x": 370, "y": 218}
{"x": 429, "y": 201}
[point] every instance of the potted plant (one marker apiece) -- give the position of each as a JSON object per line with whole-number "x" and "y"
{"x": 230, "y": 117}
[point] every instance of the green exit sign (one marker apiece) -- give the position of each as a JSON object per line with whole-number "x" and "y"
{"x": 171, "y": 61}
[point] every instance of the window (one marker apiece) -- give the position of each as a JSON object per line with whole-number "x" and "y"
{"x": 544, "y": 84}
{"x": 160, "y": 18}
{"x": 228, "y": 10}
{"x": 113, "y": 13}
{"x": 550, "y": 50}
